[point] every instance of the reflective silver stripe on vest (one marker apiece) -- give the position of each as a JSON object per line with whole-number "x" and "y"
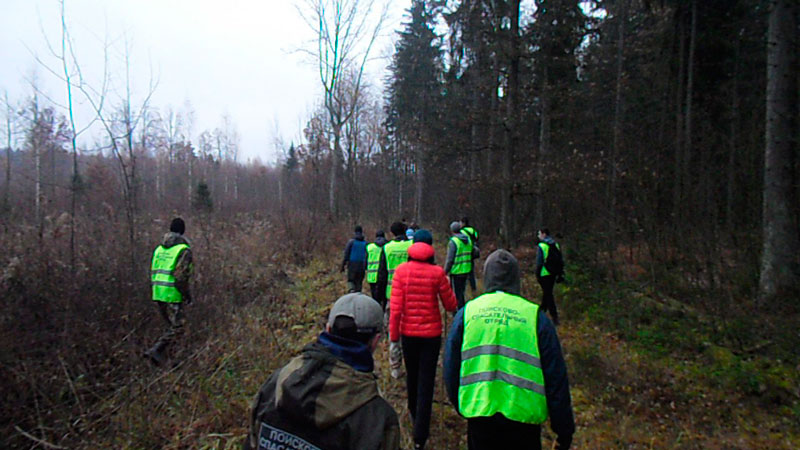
{"x": 161, "y": 272}
{"x": 497, "y": 375}
{"x": 503, "y": 351}
{"x": 163, "y": 283}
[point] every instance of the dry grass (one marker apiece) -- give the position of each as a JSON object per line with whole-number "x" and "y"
{"x": 73, "y": 377}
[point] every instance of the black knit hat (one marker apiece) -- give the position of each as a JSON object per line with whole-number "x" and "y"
{"x": 398, "y": 229}
{"x": 177, "y": 226}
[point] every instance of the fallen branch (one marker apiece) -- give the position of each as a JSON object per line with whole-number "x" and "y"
{"x": 757, "y": 347}
{"x": 71, "y": 384}
{"x": 35, "y": 439}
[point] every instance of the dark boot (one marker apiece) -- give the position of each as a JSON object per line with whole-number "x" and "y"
{"x": 156, "y": 353}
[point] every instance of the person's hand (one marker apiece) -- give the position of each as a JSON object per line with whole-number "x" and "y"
{"x": 563, "y": 442}
{"x": 187, "y": 298}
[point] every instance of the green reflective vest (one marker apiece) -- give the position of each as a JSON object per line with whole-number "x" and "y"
{"x": 545, "y": 253}
{"x": 396, "y": 254}
{"x": 500, "y": 367}
{"x": 162, "y": 276}
{"x": 471, "y": 232}
{"x": 373, "y": 259}
{"x": 463, "y": 262}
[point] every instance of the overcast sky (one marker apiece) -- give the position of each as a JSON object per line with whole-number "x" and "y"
{"x": 237, "y": 57}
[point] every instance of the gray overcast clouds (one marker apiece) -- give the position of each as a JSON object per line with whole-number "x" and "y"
{"x": 238, "y": 59}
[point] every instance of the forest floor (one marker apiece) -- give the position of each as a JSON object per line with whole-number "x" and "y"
{"x": 646, "y": 370}
{"x": 638, "y": 378}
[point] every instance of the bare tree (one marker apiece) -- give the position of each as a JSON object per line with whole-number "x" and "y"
{"x": 120, "y": 131}
{"x": 345, "y": 32}
{"x": 66, "y": 71}
{"x": 9, "y": 145}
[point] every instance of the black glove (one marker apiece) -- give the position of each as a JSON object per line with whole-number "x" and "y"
{"x": 187, "y": 298}
{"x": 563, "y": 442}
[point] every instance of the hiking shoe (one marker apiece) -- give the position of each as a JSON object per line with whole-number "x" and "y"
{"x": 155, "y": 357}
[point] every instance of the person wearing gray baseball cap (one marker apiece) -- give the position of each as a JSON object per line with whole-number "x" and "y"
{"x": 327, "y": 397}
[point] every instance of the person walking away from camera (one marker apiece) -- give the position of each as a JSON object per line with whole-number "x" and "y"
{"x": 549, "y": 269}
{"x": 472, "y": 233}
{"x": 327, "y": 397}
{"x": 373, "y": 260}
{"x": 418, "y": 287}
{"x": 355, "y": 259}
{"x": 503, "y": 369}
{"x": 170, "y": 270}
{"x": 394, "y": 253}
{"x": 458, "y": 264}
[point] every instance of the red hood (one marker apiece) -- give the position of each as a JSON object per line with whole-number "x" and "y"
{"x": 420, "y": 251}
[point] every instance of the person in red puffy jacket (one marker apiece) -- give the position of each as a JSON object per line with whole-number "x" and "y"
{"x": 417, "y": 288}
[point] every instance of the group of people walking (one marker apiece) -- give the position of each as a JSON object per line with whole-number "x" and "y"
{"x": 504, "y": 370}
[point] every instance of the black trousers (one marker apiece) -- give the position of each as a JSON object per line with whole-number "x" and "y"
{"x": 373, "y": 290}
{"x": 548, "y": 302}
{"x": 497, "y": 432}
{"x": 355, "y": 278}
{"x": 421, "y": 356}
{"x": 459, "y": 285}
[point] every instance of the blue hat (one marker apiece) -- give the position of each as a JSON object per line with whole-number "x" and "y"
{"x": 409, "y": 233}
{"x": 423, "y": 235}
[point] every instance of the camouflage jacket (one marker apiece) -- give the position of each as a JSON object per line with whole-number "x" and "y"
{"x": 325, "y": 398}
{"x": 184, "y": 267}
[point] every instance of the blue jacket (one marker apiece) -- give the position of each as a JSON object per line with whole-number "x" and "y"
{"x": 355, "y": 254}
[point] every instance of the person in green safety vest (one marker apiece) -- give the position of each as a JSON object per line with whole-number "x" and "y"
{"x": 458, "y": 264}
{"x": 472, "y": 233}
{"x": 374, "y": 250}
{"x": 170, "y": 270}
{"x": 394, "y": 253}
{"x": 548, "y": 250}
{"x": 504, "y": 369}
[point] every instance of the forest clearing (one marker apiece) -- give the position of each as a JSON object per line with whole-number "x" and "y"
{"x": 648, "y": 369}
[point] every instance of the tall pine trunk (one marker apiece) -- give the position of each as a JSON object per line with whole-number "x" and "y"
{"x": 615, "y": 148}
{"x": 544, "y": 147}
{"x": 506, "y": 190}
{"x": 679, "y": 123}
{"x": 779, "y": 271}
